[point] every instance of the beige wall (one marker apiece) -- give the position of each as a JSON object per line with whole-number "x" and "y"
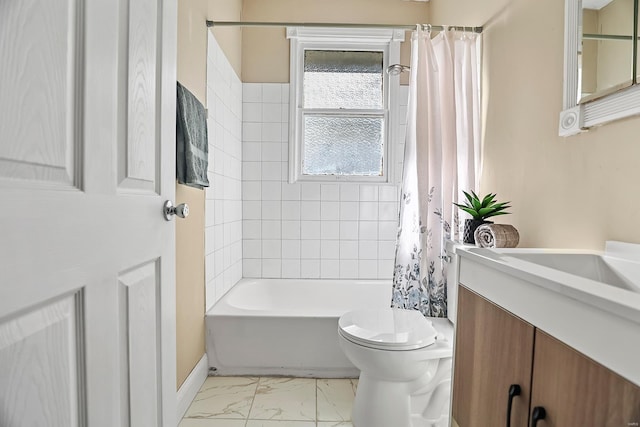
{"x": 566, "y": 192}
{"x": 190, "y": 274}
{"x": 265, "y": 51}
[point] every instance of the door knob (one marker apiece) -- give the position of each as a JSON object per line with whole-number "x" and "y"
{"x": 182, "y": 210}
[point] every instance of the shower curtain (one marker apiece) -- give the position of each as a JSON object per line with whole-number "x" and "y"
{"x": 441, "y": 159}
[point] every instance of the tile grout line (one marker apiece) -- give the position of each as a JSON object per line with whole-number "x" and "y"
{"x": 246, "y": 421}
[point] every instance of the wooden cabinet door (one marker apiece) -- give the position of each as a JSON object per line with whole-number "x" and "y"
{"x": 578, "y": 392}
{"x": 494, "y": 350}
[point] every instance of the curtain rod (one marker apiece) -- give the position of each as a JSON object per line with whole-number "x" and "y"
{"x": 334, "y": 25}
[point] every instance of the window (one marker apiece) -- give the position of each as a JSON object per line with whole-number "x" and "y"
{"x": 341, "y": 123}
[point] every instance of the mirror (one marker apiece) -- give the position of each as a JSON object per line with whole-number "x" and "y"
{"x": 606, "y": 59}
{"x": 600, "y": 63}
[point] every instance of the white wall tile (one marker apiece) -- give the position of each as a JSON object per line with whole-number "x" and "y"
{"x": 271, "y": 209}
{"x": 310, "y": 229}
{"x": 349, "y": 230}
{"x": 251, "y": 132}
{"x": 252, "y": 190}
{"x": 329, "y": 210}
{"x": 290, "y": 269}
{"x": 290, "y": 229}
{"x": 349, "y": 192}
{"x": 330, "y": 269}
{"x": 386, "y": 249}
{"x": 272, "y": 132}
{"x": 309, "y": 210}
{"x": 271, "y": 92}
{"x": 368, "y": 193}
{"x": 387, "y": 230}
{"x": 349, "y": 211}
{"x": 388, "y": 193}
{"x": 271, "y": 229}
{"x": 310, "y": 191}
{"x": 290, "y": 191}
{"x": 367, "y": 249}
{"x": 271, "y": 190}
{"x": 251, "y": 229}
{"x": 271, "y": 171}
{"x": 252, "y": 151}
{"x": 310, "y": 268}
{"x": 367, "y": 269}
{"x": 252, "y": 268}
{"x": 348, "y": 249}
{"x": 252, "y": 112}
{"x": 251, "y": 210}
{"x": 329, "y": 192}
{"x": 368, "y": 211}
{"x": 329, "y": 249}
{"x": 368, "y": 230}
{"x": 271, "y": 112}
{"x": 310, "y": 249}
{"x": 271, "y": 248}
{"x": 271, "y": 268}
{"x": 388, "y": 211}
{"x": 348, "y": 269}
{"x": 329, "y": 230}
{"x": 251, "y": 171}
{"x": 385, "y": 269}
{"x": 271, "y": 152}
{"x": 252, "y": 249}
{"x": 291, "y": 210}
{"x": 252, "y": 92}
{"x": 291, "y": 249}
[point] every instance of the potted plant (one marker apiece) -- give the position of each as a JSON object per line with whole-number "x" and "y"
{"x": 480, "y": 210}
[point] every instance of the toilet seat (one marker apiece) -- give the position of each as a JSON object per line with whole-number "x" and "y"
{"x": 388, "y": 329}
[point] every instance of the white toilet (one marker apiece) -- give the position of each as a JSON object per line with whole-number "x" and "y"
{"x": 405, "y": 367}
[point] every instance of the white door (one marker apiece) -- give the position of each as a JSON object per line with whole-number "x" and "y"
{"x": 87, "y": 131}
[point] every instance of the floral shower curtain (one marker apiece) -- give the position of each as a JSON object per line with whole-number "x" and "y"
{"x": 441, "y": 159}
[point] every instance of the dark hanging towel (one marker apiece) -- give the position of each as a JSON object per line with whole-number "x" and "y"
{"x": 192, "y": 147}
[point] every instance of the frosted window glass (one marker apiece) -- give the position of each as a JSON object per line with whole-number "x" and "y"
{"x": 342, "y": 145}
{"x": 342, "y": 79}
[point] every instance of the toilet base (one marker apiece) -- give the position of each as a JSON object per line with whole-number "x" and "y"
{"x": 423, "y": 402}
{"x": 381, "y": 403}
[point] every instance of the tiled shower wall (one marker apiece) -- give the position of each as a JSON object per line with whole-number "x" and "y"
{"x": 223, "y": 209}
{"x": 308, "y": 230}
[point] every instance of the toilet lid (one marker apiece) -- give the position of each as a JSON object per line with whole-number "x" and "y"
{"x": 388, "y": 329}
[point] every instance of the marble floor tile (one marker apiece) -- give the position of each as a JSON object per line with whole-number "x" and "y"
{"x": 272, "y": 423}
{"x": 285, "y": 399}
{"x": 334, "y": 424}
{"x": 335, "y": 399}
{"x": 208, "y": 422}
{"x": 224, "y": 397}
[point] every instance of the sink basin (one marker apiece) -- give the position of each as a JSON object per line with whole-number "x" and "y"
{"x": 607, "y": 270}
{"x": 611, "y": 268}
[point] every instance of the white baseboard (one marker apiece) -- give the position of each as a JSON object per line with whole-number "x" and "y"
{"x": 190, "y": 387}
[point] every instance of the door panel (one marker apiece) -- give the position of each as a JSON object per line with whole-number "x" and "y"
{"x": 578, "y": 392}
{"x": 39, "y": 90}
{"x": 45, "y": 343}
{"x": 493, "y": 350}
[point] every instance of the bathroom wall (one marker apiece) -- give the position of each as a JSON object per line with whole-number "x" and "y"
{"x": 223, "y": 220}
{"x": 265, "y": 51}
{"x": 190, "y": 248}
{"x": 566, "y": 192}
{"x": 308, "y": 230}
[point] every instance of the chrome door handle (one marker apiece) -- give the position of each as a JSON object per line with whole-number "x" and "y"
{"x": 182, "y": 210}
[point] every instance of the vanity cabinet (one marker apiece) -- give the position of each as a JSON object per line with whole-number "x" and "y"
{"x": 499, "y": 358}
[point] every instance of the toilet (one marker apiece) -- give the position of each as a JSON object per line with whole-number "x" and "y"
{"x": 404, "y": 360}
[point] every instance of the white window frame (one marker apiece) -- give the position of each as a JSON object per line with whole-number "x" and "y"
{"x": 370, "y": 39}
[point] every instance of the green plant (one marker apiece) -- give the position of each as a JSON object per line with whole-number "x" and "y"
{"x": 481, "y": 209}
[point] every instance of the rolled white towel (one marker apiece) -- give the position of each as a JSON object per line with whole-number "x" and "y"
{"x": 496, "y": 236}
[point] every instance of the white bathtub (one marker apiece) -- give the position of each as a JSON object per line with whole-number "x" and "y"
{"x": 287, "y": 326}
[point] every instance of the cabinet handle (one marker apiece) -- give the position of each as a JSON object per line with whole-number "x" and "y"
{"x": 537, "y": 414}
{"x": 514, "y": 390}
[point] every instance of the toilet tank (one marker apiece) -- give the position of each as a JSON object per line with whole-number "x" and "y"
{"x": 452, "y": 280}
